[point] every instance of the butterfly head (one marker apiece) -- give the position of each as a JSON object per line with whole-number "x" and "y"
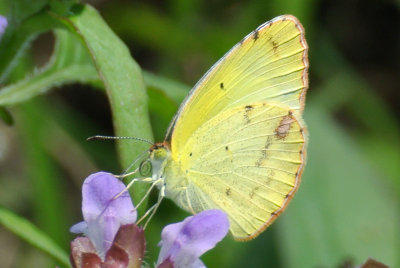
{"x": 154, "y": 165}
{"x": 159, "y": 150}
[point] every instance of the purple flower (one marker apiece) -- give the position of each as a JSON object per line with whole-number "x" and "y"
{"x": 104, "y": 216}
{"x": 183, "y": 243}
{"x": 113, "y": 240}
{"x": 3, "y": 25}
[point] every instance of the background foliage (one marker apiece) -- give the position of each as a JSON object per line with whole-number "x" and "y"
{"x": 347, "y": 208}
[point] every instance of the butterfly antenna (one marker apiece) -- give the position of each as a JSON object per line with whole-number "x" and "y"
{"x": 101, "y": 137}
{"x": 125, "y": 173}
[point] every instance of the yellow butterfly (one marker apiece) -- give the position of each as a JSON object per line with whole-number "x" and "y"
{"x": 238, "y": 141}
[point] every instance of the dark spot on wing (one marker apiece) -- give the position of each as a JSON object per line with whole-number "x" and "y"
{"x": 264, "y": 151}
{"x": 270, "y": 176}
{"x": 253, "y": 191}
{"x": 287, "y": 196}
{"x": 273, "y": 213}
{"x": 251, "y": 195}
{"x": 190, "y": 154}
{"x": 226, "y": 148}
{"x": 247, "y": 109}
{"x": 221, "y": 85}
{"x": 228, "y": 191}
{"x": 284, "y": 126}
{"x": 275, "y": 46}
{"x": 255, "y": 35}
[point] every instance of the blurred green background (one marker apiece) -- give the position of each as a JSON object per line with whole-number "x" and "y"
{"x": 347, "y": 207}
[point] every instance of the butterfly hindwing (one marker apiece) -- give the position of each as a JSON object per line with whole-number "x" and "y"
{"x": 246, "y": 161}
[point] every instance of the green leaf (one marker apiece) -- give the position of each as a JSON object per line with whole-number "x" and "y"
{"x": 344, "y": 209}
{"x": 31, "y": 234}
{"x": 62, "y": 7}
{"x": 162, "y": 110}
{"x": 37, "y": 134}
{"x": 174, "y": 90}
{"x": 346, "y": 90}
{"x": 22, "y": 9}
{"x": 69, "y": 63}
{"x": 123, "y": 82}
{"x": 370, "y": 114}
{"x": 18, "y": 38}
{"x": 165, "y": 96}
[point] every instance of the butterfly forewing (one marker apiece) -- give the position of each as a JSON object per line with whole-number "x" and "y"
{"x": 270, "y": 65}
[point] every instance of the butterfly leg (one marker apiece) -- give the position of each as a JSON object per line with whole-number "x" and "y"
{"x": 130, "y": 185}
{"x": 127, "y": 174}
{"x": 148, "y": 191}
{"x": 151, "y": 211}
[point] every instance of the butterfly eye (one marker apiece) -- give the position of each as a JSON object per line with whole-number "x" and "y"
{"x": 145, "y": 168}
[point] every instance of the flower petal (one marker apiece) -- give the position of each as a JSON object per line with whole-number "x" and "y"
{"x": 128, "y": 247}
{"x": 83, "y": 253}
{"x": 102, "y": 213}
{"x": 184, "y": 242}
{"x": 79, "y": 228}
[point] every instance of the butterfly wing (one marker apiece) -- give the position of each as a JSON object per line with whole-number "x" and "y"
{"x": 246, "y": 161}
{"x": 270, "y": 64}
{"x": 237, "y": 141}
